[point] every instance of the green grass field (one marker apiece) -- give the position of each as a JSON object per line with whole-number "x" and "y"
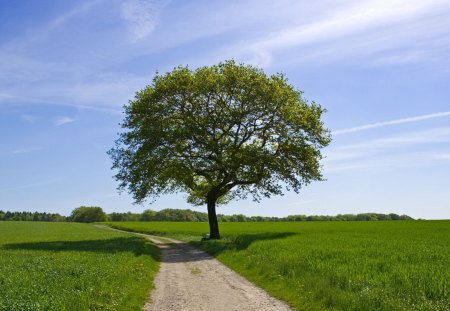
{"x": 68, "y": 266}
{"x": 385, "y": 265}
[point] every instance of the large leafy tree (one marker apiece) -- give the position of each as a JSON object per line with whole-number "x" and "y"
{"x": 218, "y": 133}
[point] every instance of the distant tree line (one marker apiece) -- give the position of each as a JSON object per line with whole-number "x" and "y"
{"x": 96, "y": 214}
{"x": 189, "y": 215}
{"x": 339, "y": 217}
{"x": 29, "y": 216}
{"x": 167, "y": 214}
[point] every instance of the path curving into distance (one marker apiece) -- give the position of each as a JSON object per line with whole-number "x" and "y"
{"x": 191, "y": 280}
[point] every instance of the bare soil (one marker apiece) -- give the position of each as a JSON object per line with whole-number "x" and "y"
{"x": 192, "y": 280}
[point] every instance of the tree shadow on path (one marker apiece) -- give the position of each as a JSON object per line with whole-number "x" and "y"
{"x": 205, "y": 250}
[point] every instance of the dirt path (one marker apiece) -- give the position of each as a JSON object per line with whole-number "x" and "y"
{"x": 191, "y": 280}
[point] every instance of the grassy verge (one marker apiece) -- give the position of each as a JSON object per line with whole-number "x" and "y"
{"x": 333, "y": 265}
{"x": 67, "y": 266}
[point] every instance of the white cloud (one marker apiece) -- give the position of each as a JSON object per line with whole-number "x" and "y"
{"x": 391, "y": 122}
{"x": 69, "y": 15}
{"x": 428, "y": 136}
{"x": 69, "y": 85}
{"x": 24, "y": 150}
{"x": 64, "y": 120}
{"x": 30, "y": 118}
{"x": 142, "y": 16}
{"x": 350, "y": 20}
{"x": 364, "y": 27}
{"x": 405, "y": 150}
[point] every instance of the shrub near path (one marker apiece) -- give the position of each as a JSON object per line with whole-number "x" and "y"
{"x": 68, "y": 266}
{"x": 333, "y": 265}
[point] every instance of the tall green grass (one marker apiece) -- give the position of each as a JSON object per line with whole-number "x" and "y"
{"x": 333, "y": 265}
{"x": 68, "y": 266}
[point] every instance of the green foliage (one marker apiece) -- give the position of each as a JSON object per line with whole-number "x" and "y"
{"x": 162, "y": 215}
{"x": 370, "y": 265}
{"x": 128, "y": 216}
{"x": 189, "y": 215}
{"x": 176, "y": 215}
{"x": 346, "y": 217}
{"x": 88, "y": 214}
{"x": 71, "y": 266}
{"x": 218, "y": 133}
{"x": 29, "y": 216}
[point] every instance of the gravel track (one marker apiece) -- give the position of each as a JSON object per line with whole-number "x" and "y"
{"x": 191, "y": 280}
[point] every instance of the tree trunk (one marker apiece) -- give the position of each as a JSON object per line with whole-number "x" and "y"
{"x": 212, "y": 218}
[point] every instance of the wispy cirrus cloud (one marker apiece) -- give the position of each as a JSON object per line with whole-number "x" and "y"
{"x": 353, "y": 19}
{"x": 30, "y": 118}
{"x": 63, "y": 120}
{"x": 142, "y": 16}
{"x": 24, "y": 150}
{"x": 66, "y": 85}
{"x": 360, "y": 27}
{"x": 71, "y": 14}
{"x": 414, "y": 148}
{"x": 391, "y": 122}
{"x": 75, "y": 76}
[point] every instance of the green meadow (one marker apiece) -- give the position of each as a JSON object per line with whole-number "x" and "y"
{"x": 379, "y": 265}
{"x": 382, "y": 265}
{"x": 69, "y": 266}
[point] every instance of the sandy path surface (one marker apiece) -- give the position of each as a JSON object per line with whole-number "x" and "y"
{"x": 191, "y": 280}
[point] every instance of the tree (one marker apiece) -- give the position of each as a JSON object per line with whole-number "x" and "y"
{"x": 88, "y": 214}
{"x": 148, "y": 215}
{"x": 218, "y": 133}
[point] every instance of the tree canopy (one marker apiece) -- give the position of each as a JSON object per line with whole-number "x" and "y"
{"x": 219, "y": 133}
{"x": 88, "y": 214}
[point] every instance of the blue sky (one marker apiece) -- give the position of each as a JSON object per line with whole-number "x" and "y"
{"x": 380, "y": 68}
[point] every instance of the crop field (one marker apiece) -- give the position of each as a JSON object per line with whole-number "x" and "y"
{"x": 69, "y": 266}
{"x": 384, "y": 265}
